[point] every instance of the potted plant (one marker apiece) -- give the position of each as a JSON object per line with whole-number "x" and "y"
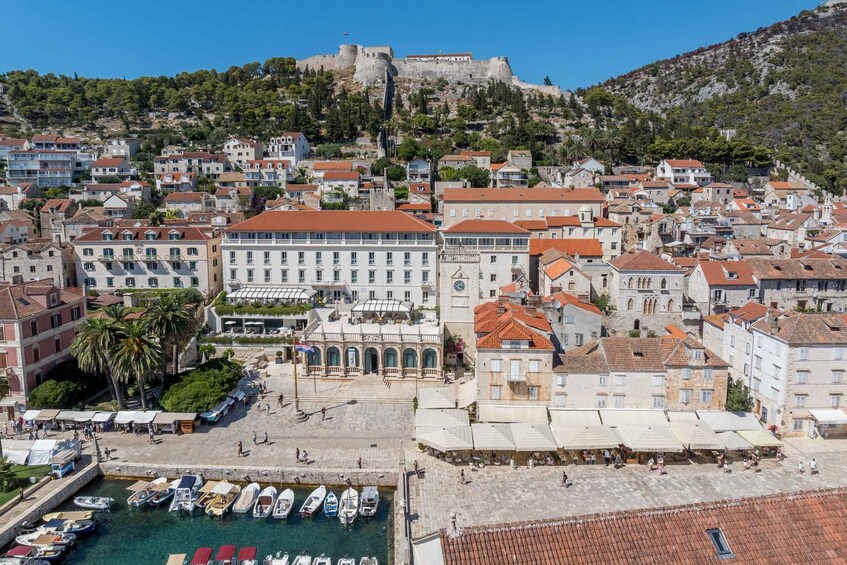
{"x": 279, "y": 357}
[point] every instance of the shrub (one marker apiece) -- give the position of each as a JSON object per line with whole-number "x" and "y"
{"x": 55, "y": 394}
{"x": 202, "y": 388}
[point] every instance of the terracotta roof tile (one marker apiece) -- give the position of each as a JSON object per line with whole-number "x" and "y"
{"x": 642, "y": 261}
{"x": 486, "y": 226}
{"x": 391, "y": 221}
{"x": 523, "y": 195}
{"x": 727, "y": 273}
{"x": 573, "y": 247}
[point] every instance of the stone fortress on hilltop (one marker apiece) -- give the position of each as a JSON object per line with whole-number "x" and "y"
{"x": 372, "y": 65}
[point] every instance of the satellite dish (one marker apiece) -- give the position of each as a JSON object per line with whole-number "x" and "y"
{"x": 557, "y": 304}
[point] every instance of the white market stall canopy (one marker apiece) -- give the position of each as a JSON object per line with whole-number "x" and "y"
{"x": 47, "y": 415}
{"x": 696, "y": 435}
{"x": 647, "y": 439}
{"x": 85, "y": 416}
{"x": 682, "y": 416}
{"x": 579, "y": 418}
{"x": 145, "y": 417}
{"x": 467, "y": 393}
{"x": 31, "y": 415}
{"x": 16, "y": 450}
{"x": 167, "y": 418}
{"x": 760, "y": 438}
{"x": 383, "y": 306}
{"x": 829, "y": 416}
{"x": 42, "y": 451}
{"x": 66, "y": 415}
{"x": 448, "y": 418}
{"x": 638, "y": 418}
{"x": 434, "y": 398}
{"x": 126, "y": 417}
{"x": 253, "y": 293}
{"x": 734, "y": 442}
{"x": 533, "y": 437}
{"x": 585, "y": 437}
{"x": 492, "y": 437}
{"x": 102, "y": 417}
{"x": 722, "y": 421}
{"x": 456, "y": 438}
{"x": 509, "y": 413}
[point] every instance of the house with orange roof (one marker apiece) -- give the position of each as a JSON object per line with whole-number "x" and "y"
{"x": 55, "y": 210}
{"x": 507, "y": 175}
{"x": 111, "y": 167}
{"x": 786, "y": 195}
{"x": 182, "y": 182}
{"x": 185, "y": 203}
{"x": 718, "y": 286}
{"x": 557, "y": 272}
{"x": 574, "y": 320}
{"x": 240, "y": 150}
{"x": 680, "y": 171}
{"x": 268, "y": 172}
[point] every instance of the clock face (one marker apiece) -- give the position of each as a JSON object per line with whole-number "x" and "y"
{"x": 459, "y": 286}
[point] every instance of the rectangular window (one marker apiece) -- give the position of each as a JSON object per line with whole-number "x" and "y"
{"x": 533, "y": 365}
{"x": 659, "y": 381}
{"x": 301, "y": 276}
{"x": 686, "y": 373}
{"x": 834, "y": 400}
{"x": 706, "y": 396}
{"x": 153, "y": 282}
{"x": 284, "y": 275}
{"x": 533, "y": 392}
{"x": 804, "y": 353}
{"x": 799, "y": 400}
{"x": 36, "y": 353}
{"x": 720, "y": 543}
{"x": 495, "y": 393}
{"x": 620, "y": 400}
{"x": 495, "y": 366}
{"x": 249, "y": 275}
{"x": 601, "y": 380}
{"x": 195, "y": 281}
{"x": 301, "y": 257}
{"x": 578, "y": 338}
{"x": 619, "y": 380}
{"x": 600, "y": 401}
{"x": 318, "y": 258}
{"x": 707, "y": 373}
{"x": 371, "y": 277}
{"x": 233, "y": 274}
{"x": 407, "y": 277}
{"x": 798, "y": 425}
{"x": 284, "y": 257}
{"x": 757, "y": 362}
{"x": 838, "y": 353}
{"x": 354, "y": 277}
{"x": 267, "y": 275}
{"x": 110, "y": 281}
{"x": 319, "y": 276}
{"x": 658, "y": 402}
{"x": 389, "y": 277}
{"x": 371, "y": 258}
{"x": 802, "y": 377}
{"x": 389, "y": 258}
{"x": 837, "y": 377}
{"x": 561, "y": 400}
{"x": 266, "y": 256}
{"x": 684, "y": 396}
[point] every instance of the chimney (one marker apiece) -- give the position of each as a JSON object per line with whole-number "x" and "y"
{"x": 774, "y": 323}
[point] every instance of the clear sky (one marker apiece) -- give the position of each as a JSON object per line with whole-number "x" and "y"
{"x": 575, "y": 43}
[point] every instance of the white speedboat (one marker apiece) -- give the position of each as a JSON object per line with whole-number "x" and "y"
{"x": 313, "y": 502}
{"x": 246, "y": 499}
{"x": 27, "y": 555}
{"x": 284, "y": 504}
{"x": 368, "y": 561}
{"x": 44, "y": 538}
{"x": 143, "y": 491}
{"x": 94, "y": 502}
{"x": 279, "y": 559}
{"x": 322, "y": 560}
{"x": 72, "y": 515}
{"x": 348, "y": 507}
{"x": 265, "y": 503}
{"x": 347, "y": 561}
{"x": 162, "y": 493}
{"x": 186, "y": 493}
{"x": 302, "y": 560}
{"x": 369, "y": 502}
{"x": 75, "y": 527}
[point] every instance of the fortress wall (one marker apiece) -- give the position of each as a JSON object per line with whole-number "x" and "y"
{"x": 542, "y": 88}
{"x": 372, "y": 67}
{"x": 315, "y": 62}
{"x": 455, "y": 71}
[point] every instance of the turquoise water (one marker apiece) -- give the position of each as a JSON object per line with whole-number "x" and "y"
{"x": 147, "y": 536}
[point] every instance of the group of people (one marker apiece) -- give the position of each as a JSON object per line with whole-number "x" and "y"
{"x": 813, "y": 467}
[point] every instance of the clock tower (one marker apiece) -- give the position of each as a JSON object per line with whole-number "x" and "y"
{"x": 458, "y": 295}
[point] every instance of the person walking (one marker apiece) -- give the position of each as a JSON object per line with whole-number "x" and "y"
{"x": 254, "y": 437}
{"x": 813, "y": 467}
{"x": 564, "y": 478}
{"x": 323, "y": 413}
{"x": 108, "y": 453}
{"x": 305, "y": 456}
{"x": 280, "y": 400}
{"x": 21, "y": 493}
{"x": 359, "y": 462}
{"x": 240, "y": 449}
{"x": 462, "y": 477}
{"x": 298, "y": 454}
{"x": 800, "y": 468}
{"x": 150, "y": 434}
{"x": 266, "y": 438}
{"x": 607, "y": 457}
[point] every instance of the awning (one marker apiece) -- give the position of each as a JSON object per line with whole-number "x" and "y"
{"x": 138, "y": 485}
{"x": 637, "y": 418}
{"x": 208, "y": 486}
{"x": 577, "y": 418}
{"x": 31, "y": 415}
{"x": 722, "y": 421}
{"x": 533, "y": 437}
{"x": 223, "y": 487}
{"x": 102, "y": 417}
{"x": 383, "y": 306}
{"x": 66, "y": 415}
{"x": 85, "y": 416}
{"x": 457, "y": 438}
{"x": 467, "y": 393}
{"x": 829, "y": 416}
{"x": 649, "y": 439}
{"x": 176, "y": 559}
{"x": 167, "y": 418}
{"x": 125, "y": 417}
{"x": 492, "y": 437}
{"x": 760, "y": 438}
{"x": 696, "y": 435}
{"x": 585, "y": 437}
{"x": 532, "y": 414}
{"x": 47, "y": 415}
{"x": 448, "y": 418}
{"x": 734, "y": 442}
{"x": 42, "y": 451}
{"x": 251, "y": 294}
{"x": 237, "y": 394}
{"x": 682, "y": 416}
{"x": 17, "y": 451}
{"x": 441, "y": 397}
{"x": 145, "y": 417}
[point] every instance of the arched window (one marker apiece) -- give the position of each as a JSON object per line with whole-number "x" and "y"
{"x": 352, "y": 357}
{"x": 315, "y": 356}
{"x": 629, "y": 304}
{"x": 410, "y": 358}
{"x": 670, "y": 305}
{"x": 664, "y": 283}
{"x": 629, "y": 283}
{"x": 333, "y": 357}
{"x": 430, "y": 359}
{"x": 389, "y": 357}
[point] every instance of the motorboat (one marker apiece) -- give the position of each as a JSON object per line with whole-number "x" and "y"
{"x": 142, "y": 491}
{"x": 43, "y": 538}
{"x": 368, "y": 561}
{"x": 284, "y": 504}
{"x": 348, "y": 508}
{"x": 279, "y": 559}
{"x": 76, "y": 527}
{"x": 331, "y": 505}
{"x": 246, "y": 499}
{"x": 222, "y": 503}
{"x": 369, "y": 502}
{"x": 246, "y": 556}
{"x": 347, "y": 561}
{"x": 94, "y": 502}
{"x": 162, "y": 493}
{"x": 302, "y": 560}
{"x": 322, "y": 560}
{"x": 206, "y": 495}
{"x": 202, "y": 556}
{"x": 313, "y": 502}
{"x": 177, "y": 559}
{"x": 265, "y": 503}
{"x": 31, "y": 555}
{"x": 225, "y": 554}
{"x": 186, "y": 493}
{"x": 73, "y": 515}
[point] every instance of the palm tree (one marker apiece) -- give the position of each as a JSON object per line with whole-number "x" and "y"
{"x": 592, "y": 140}
{"x": 172, "y": 319}
{"x": 136, "y": 355}
{"x": 93, "y": 343}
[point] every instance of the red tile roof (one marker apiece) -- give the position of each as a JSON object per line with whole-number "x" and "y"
{"x": 184, "y": 197}
{"x": 333, "y": 166}
{"x": 565, "y": 298}
{"x": 341, "y": 175}
{"x": 138, "y": 233}
{"x": 366, "y": 221}
{"x": 17, "y": 301}
{"x": 522, "y": 195}
{"x": 532, "y": 225}
{"x": 58, "y": 204}
{"x": 486, "y": 226}
{"x": 687, "y": 163}
{"x": 108, "y": 162}
{"x": 573, "y": 247}
{"x": 414, "y": 207}
{"x": 514, "y": 322}
{"x": 642, "y": 261}
{"x": 727, "y": 273}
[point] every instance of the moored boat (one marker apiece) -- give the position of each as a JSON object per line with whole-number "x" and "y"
{"x": 31, "y": 555}
{"x": 225, "y": 554}
{"x": 279, "y": 559}
{"x": 331, "y": 505}
{"x": 369, "y": 560}
{"x": 43, "y": 538}
{"x": 347, "y": 561}
{"x": 201, "y": 556}
{"x": 222, "y": 503}
{"x": 75, "y": 527}
{"x": 73, "y": 515}
{"x": 246, "y": 556}
{"x": 313, "y": 502}
{"x": 265, "y": 503}
{"x": 302, "y": 560}
{"x": 162, "y": 493}
{"x": 245, "y": 501}
{"x": 348, "y": 507}
{"x": 369, "y": 502}
{"x": 206, "y": 496}
{"x": 94, "y": 502}
{"x": 177, "y": 559}
{"x": 186, "y": 493}
{"x": 284, "y": 504}
{"x": 142, "y": 491}
{"x": 322, "y": 560}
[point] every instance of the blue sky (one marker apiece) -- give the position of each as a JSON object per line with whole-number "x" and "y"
{"x": 575, "y": 43}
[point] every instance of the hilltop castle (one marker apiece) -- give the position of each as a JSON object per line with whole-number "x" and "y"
{"x": 372, "y": 65}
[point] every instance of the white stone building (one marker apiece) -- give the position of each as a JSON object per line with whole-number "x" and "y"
{"x": 239, "y": 150}
{"x": 718, "y": 286}
{"x": 513, "y": 204}
{"x": 291, "y": 145}
{"x": 683, "y": 171}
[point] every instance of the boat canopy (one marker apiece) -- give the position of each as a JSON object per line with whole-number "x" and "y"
{"x": 225, "y": 553}
{"x": 434, "y": 398}
{"x": 202, "y": 556}
{"x": 208, "y": 486}
{"x": 138, "y": 485}
{"x": 446, "y": 418}
{"x": 506, "y": 413}
{"x": 585, "y": 437}
{"x": 760, "y": 438}
{"x": 696, "y": 435}
{"x": 579, "y": 418}
{"x": 223, "y": 487}
{"x": 723, "y": 421}
{"x": 492, "y": 437}
{"x": 20, "y": 551}
{"x": 457, "y": 438}
{"x": 637, "y": 418}
{"x": 176, "y": 559}
{"x": 533, "y": 437}
{"x": 649, "y": 439}
{"x": 246, "y": 554}
{"x": 187, "y": 481}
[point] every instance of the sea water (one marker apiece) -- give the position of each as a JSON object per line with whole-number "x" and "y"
{"x": 136, "y": 536}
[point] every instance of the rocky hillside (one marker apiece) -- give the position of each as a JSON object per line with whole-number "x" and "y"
{"x": 784, "y": 86}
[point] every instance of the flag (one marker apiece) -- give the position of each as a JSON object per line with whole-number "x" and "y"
{"x": 303, "y": 347}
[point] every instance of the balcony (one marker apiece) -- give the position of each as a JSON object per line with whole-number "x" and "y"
{"x": 515, "y": 377}
{"x": 174, "y": 257}
{"x": 106, "y": 258}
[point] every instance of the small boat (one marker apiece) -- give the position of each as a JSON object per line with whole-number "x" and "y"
{"x": 246, "y": 499}
{"x": 302, "y": 560}
{"x": 284, "y": 504}
{"x": 279, "y": 559}
{"x": 347, "y": 561}
{"x": 368, "y": 561}
{"x": 322, "y": 560}
{"x": 177, "y": 559}
{"x": 76, "y": 527}
{"x": 186, "y": 493}
{"x": 94, "y": 502}
{"x": 43, "y": 538}
{"x": 73, "y": 515}
{"x": 31, "y": 555}
{"x": 348, "y": 508}
{"x": 202, "y": 556}
{"x": 369, "y": 502}
{"x": 162, "y": 493}
{"x": 331, "y": 505}
{"x": 207, "y": 494}
{"x": 143, "y": 491}
{"x": 313, "y": 502}
{"x": 265, "y": 503}
{"x": 222, "y": 503}
{"x": 225, "y": 554}
{"x": 246, "y": 556}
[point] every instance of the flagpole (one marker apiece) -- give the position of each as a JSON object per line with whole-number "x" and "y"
{"x": 299, "y": 415}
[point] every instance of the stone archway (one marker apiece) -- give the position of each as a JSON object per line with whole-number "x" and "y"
{"x": 371, "y": 361}
{"x": 333, "y": 357}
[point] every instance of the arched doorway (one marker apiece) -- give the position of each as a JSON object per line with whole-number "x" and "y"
{"x": 410, "y": 358}
{"x": 351, "y": 357}
{"x": 430, "y": 359}
{"x": 315, "y": 356}
{"x": 389, "y": 357}
{"x": 371, "y": 360}
{"x": 333, "y": 357}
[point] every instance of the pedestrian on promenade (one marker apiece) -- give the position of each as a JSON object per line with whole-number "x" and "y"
{"x": 298, "y": 454}
{"x": 254, "y": 437}
{"x": 462, "y": 477}
{"x": 36, "y": 433}
{"x": 800, "y": 468}
{"x": 305, "y": 456}
{"x": 21, "y": 492}
{"x": 359, "y": 462}
{"x": 31, "y": 437}
{"x": 150, "y": 433}
{"x": 607, "y": 457}
{"x": 108, "y": 453}
{"x": 267, "y": 408}
{"x": 564, "y": 479}
{"x": 417, "y": 468}
{"x": 323, "y": 413}
{"x": 280, "y": 400}
{"x": 240, "y": 449}
{"x": 813, "y": 467}
{"x": 266, "y": 437}
{"x": 44, "y": 429}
